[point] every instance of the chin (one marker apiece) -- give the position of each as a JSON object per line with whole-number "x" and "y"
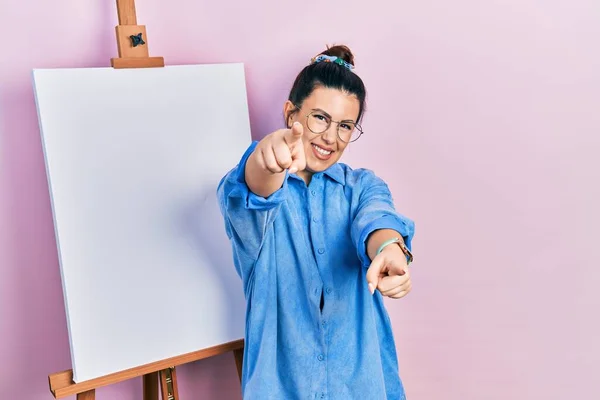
{"x": 315, "y": 166}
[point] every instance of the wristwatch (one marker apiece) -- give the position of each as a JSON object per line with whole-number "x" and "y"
{"x": 400, "y": 242}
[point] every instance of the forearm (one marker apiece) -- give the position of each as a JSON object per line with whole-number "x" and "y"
{"x": 379, "y": 237}
{"x": 260, "y": 180}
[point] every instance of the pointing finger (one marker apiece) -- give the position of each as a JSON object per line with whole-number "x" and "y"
{"x": 294, "y": 134}
{"x": 374, "y": 272}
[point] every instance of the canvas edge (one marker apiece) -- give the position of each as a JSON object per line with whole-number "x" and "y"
{"x": 34, "y": 77}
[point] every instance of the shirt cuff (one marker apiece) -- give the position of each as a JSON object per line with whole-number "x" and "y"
{"x": 253, "y": 201}
{"x": 406, "y": 228}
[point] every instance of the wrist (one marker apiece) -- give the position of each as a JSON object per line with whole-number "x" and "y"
{"x": 394, "y": 245}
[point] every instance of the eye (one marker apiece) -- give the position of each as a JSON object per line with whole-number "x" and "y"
{"x": 320, "y": 117}
{"x": 347, "y": 127}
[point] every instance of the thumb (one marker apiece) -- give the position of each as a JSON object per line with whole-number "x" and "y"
{"x": 294, "y": 134}
{"x": 397, "y": 271}
{"x": 374, "y": 272}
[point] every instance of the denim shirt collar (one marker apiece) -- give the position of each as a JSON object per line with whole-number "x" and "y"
{"x": 335, "y": 172}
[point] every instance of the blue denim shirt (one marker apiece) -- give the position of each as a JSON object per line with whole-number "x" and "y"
{"x": 301, "y": 248}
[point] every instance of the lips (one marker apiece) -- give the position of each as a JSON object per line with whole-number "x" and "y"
{"x": 321, "y": 152}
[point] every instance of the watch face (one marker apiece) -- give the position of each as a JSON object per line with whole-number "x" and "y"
{"x": 406, "y": 252}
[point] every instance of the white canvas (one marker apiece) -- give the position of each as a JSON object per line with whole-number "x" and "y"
{"x": 133, "y": 161}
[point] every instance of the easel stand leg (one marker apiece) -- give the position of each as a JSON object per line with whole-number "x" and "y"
{"x": 89, "y": 395}
{"x": 238, "y": 354}
{"x": 151, "y": 386}
{"x": 168, "y": 384}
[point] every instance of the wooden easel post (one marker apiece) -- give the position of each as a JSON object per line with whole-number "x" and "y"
{"x": 132, "y": 41}
{"x": 150, "y": 388}
{"x": 168, "y": 385}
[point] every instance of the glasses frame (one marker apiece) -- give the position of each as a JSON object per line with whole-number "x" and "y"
{"x": 337, "y": 131}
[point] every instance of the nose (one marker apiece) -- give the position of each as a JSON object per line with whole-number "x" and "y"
{"x": 330, "y": 135}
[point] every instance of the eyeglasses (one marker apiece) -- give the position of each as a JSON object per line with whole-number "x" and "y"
{"x": 318, "y": 122}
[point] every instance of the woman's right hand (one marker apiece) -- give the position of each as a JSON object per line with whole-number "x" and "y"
{"x": 281, "y": 150}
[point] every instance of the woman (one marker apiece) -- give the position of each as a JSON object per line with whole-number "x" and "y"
{"x": 317, "y": 246}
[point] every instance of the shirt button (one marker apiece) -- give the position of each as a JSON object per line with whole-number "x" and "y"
{"x": 321, "y": 358}
{"x": 323, "y": 323}
{"x": 328, "y": 290}
{"x": 315, "y": 219}
{"x": 322, "y": 395}
{"x": 313, "y": 192}
{"x": 321, "y": 250}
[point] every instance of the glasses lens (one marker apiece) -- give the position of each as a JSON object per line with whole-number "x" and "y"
{"x": 355, "y": 134}
{"x": 347, "y": 131}
{"x": 317, "y": 122}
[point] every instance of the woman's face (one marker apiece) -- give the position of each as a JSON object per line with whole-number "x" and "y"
{"x": 323, "y": 105}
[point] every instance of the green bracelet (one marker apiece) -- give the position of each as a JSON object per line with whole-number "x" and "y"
{"x": 405, "y": 250}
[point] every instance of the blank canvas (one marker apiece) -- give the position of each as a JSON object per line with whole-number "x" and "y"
{"x": 133, "y": 161}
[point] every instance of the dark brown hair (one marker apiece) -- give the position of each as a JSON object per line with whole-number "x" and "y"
{"x": 329, "y": 75}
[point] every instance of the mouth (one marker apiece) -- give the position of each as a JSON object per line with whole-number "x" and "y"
{"x": 321, "y": 152}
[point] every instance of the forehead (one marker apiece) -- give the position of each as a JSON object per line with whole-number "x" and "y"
{"x": 340, "y": 105}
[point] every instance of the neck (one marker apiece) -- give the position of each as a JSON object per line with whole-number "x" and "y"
{"x": 305, "y": 175}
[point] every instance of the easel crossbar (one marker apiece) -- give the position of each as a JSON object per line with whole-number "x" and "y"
{"x": 62, "y": 385}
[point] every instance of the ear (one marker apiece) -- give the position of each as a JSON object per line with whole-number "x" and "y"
{"x": 289, "y": 109}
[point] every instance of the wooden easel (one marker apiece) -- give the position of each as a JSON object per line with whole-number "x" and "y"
{"x": 132, "y": 45}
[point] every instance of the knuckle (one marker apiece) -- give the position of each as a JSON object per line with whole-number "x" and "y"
{"x": 271, "y": 166}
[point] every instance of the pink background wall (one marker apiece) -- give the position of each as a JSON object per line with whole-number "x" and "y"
{"x": 483, "y": 117}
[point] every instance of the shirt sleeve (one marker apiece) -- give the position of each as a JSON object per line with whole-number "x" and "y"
{"x": 233, "y": 187}
{"x": 375, "y": 210}
{"x": 247, "y": 216}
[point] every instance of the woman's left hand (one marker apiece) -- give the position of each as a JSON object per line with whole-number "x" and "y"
{"x": 389, "y": 273}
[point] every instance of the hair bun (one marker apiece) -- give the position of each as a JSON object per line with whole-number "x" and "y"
{"x": 340, "y": 51}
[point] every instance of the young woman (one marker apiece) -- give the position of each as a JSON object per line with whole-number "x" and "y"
{"x": 317, "y": 245}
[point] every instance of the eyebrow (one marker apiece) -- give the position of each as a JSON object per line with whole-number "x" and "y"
{"x": 330, "y": 117}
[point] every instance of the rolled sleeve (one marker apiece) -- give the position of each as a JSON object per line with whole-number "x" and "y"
{"x": 248, "y": 217}
{"x": 376, "y": 211}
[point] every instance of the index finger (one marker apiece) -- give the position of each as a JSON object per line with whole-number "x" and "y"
{"x": 374, "y": 272}
{"x": 293, "y": 134}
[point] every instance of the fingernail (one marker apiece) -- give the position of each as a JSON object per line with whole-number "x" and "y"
{"x": 293, "y": 170}
{"x": 371, "y": 288}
